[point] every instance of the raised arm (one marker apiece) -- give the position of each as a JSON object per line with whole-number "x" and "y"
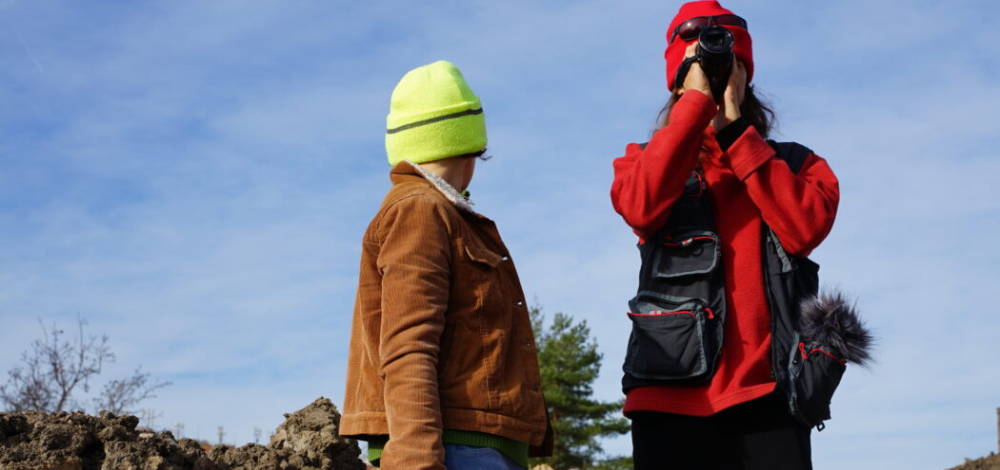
{"x": 414, "y": 262}
{"x": 648, "y": 181}
{"x": 800, "y": 208}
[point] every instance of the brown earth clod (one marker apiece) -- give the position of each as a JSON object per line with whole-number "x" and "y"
{"x": 990, "y": 462}
{"x": 307, "y": 440}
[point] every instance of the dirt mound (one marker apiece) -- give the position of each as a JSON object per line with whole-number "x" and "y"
{"x": 991, "y": 462}
{"x": 307, "y": 440}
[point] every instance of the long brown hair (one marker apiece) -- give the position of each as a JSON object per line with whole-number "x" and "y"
{"x": 756, "y": 112}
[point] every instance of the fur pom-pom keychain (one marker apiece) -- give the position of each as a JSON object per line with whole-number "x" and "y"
{"x": 829, "y": 319}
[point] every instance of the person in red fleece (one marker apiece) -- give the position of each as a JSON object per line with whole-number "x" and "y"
{"x": 735, "y": 417}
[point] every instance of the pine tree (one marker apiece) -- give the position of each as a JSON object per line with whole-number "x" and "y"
{"x": 569, "y": 363}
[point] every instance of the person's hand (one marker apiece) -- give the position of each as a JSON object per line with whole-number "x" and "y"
{"x": 729, "y": 109}
{"x": 696, "y": 78}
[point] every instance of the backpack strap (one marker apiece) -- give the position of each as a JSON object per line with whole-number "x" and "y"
{"x": 793, "y": 153}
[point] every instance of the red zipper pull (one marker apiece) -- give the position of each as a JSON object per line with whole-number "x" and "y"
{"x": 711, "y": 315}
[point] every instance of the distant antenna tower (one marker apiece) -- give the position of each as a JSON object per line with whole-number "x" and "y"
{"x": 149, "y": 417}
{"x": 256, "y": 435}
{"x": 221, "y": 434}
{"x": 178, "y": 430}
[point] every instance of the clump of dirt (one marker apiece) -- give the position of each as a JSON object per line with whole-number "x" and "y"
{"x": 990, "y": 462}
{"x": 77, "y": 441}
{"x": 307, "y": 440}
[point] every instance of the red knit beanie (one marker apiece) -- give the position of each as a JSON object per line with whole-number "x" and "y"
{"x": 674, "y": 54}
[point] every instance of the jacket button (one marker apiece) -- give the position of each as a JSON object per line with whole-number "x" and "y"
{"x": 506, "y": 258}
{"x": 519, "y": 303}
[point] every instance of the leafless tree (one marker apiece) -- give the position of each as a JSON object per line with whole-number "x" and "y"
{"x": 120, "y": 395}
{"x": 59, "y": 365}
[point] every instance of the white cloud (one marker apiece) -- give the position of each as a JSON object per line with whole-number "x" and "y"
{"x": 194, "y": 179}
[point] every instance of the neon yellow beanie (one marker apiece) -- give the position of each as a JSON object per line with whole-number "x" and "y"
{"x": 433, "y": 115}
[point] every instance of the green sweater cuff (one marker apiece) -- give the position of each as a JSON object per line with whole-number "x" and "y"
{"x": 515, "y": 450}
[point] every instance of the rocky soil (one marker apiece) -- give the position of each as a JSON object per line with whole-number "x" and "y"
{"x": 991, "y": 462}
{"x": 307, "y": 440}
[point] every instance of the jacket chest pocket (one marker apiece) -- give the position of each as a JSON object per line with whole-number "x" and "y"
{"x": 480, "y": 287}
{"x": 484, "y": 278}
{"x": 482, "y": 256}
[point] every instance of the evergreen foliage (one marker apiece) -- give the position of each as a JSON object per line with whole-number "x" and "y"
{"x": 569, "y": 364}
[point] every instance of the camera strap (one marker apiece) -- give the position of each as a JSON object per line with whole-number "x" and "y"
{"x": 683, "y": 70}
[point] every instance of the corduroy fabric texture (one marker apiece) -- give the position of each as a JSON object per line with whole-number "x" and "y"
{"x": 433, "y": 115}
{"x": 743, "y": 46}
{"x": 516, "y": 450}
{"x": 441, "y": 336}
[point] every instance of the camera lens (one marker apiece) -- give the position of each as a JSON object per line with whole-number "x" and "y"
{"x": 715, "y": 54}
{"x": 716, "y": 40}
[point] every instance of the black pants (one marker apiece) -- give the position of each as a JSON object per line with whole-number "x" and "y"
{"x": 756, "y": 435}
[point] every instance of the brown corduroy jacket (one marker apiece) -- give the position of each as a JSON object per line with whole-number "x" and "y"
{"x": 441, "y": 337}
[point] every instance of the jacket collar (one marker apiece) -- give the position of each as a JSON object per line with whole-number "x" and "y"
{"x": 408, "y": 168}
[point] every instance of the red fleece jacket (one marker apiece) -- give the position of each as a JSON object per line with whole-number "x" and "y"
{"x": 749, "y": 185}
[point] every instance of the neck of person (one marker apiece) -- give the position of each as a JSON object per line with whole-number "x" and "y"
{"x": 452, "y": 170}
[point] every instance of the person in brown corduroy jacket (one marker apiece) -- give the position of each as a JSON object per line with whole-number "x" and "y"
{"x": 442, "y": 370}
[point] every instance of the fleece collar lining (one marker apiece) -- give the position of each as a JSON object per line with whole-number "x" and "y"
{"x": 446, "y": 189}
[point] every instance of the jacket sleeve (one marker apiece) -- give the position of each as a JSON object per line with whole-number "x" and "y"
{"x": 648, "y": 181}
{"x": 414, "y": 262}
{"x": 800, "y": 208}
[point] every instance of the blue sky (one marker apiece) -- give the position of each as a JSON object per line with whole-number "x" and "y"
{"x": 194, "y": 179}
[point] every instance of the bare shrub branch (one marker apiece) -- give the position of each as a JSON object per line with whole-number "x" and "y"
{"x": 59, "y": 365}
{"x": 120, "y": 396}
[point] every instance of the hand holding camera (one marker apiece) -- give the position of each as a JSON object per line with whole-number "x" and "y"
{"x": 710, "y": 68}
{"x": 732, "y": 98}
{"x": 695, "y": 78}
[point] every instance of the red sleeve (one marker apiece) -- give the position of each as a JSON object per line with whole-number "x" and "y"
{"x": 800, "y": 208}
{"x": 648, "y": 181}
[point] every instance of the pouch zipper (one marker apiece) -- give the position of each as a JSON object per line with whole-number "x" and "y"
{"x": 660, "y": 313}
{"x": 805, "y": 357}
{"x": 686, "y": 242}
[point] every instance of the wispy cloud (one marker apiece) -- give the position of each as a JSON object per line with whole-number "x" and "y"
{"x": 194, "y": 178}
{"x": 27, "y": 50}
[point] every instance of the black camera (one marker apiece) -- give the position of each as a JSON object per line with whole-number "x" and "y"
{"x": 715, "y": 55}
